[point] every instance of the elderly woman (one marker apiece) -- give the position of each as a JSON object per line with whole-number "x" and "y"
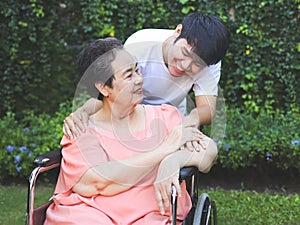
{"x": 120, "y": 170}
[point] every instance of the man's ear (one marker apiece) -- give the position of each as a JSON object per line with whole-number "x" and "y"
{"x": 178, "y": 30}
{"x": 102, "y": 88}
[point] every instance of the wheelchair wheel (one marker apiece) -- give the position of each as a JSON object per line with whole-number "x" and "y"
{"x": 205, "y": 212}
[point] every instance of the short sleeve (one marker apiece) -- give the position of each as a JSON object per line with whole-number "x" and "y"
{"x": 207, "y": 83}
{"x": 171, "y": 115}
{"x": 79, "y": 155}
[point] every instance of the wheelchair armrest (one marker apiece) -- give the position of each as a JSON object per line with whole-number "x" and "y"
{"x": 48, "y": 159}
{"x": 187, "y": 172}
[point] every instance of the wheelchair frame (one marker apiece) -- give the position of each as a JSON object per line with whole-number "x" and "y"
{"x": 203, "y": 211}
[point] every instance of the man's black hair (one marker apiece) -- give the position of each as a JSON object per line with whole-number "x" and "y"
{"x": 207, "y": 35}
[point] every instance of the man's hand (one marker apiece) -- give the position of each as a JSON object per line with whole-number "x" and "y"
{"x": 80, "y": 117}
{"x": 192, "y": 120}
{"x": 77, "y": 119}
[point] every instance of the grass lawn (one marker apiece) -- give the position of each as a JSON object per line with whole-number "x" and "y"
{"x": 234, "y": 207}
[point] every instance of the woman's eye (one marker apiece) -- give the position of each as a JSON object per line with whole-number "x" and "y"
{"x": 128, "y": 76}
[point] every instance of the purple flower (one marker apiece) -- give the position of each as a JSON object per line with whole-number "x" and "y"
{"x": 23, "y": 149}
{"x": 17, "y": 159}
{"x": 295, "y": 142}
{"x": 268, "y": 156}
{"x": 30, "y": 153}
{"x": 10, "y": 148}
{"x": 19, "y": 168}
{"x": 258, "y": 150}
{"x": 26, "y": 129}
{"x": 227, "y": 147}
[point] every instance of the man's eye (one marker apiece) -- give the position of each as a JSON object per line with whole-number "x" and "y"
{"x": 185, "y": 52}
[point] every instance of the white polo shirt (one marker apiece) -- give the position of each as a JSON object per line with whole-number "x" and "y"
{"x": 159, "y": 86}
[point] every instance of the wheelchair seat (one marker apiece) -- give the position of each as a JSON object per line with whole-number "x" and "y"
{"x": 203, "y": 210}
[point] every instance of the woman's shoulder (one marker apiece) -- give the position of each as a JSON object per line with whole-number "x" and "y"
{"x": 161, "y": 108}
{"x": 88, "y": 134}
{"x": 164, "y": 111}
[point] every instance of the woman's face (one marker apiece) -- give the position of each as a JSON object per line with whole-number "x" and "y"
{"x": 182, "y": 61}
{"x": 128, "y": 81}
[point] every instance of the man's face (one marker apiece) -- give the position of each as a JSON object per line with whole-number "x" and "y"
{"x": 181, "y": 59}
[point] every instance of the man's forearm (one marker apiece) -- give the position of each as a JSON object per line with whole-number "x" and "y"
{"x": 205, "y": 107}
{"x": 92, "y": 105}
{"x": 204, "y": 114}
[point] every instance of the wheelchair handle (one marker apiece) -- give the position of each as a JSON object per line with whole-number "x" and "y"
{"x": 187, "y": 172}
{"x": 48, "y": 159}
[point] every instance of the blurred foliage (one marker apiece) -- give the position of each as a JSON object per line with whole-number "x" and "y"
{"x": 259, "y": 142}
{"x": 40, "y": 41}
{"x": 260, "y": 73}
{"x": 28, "y": 138}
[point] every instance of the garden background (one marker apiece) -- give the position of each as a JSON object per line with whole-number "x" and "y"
{"x": 260, "y": 75}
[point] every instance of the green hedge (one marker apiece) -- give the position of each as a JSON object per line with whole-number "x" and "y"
{"x": 260, "y": 141}
{"x": 40, "y": 39}
{"x": 250, "y": 141}
{"x": 23, "y": 140}
{"x": 260, "y": 74}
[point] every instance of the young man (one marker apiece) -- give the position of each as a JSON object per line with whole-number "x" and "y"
{"x": 172, "y": 62}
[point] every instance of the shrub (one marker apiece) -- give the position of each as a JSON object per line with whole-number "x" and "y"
{"x": 259, "y": 141}
{"x": 262, "y": 140}
{"x": 40, "y": 40}
{"x": 23, "y": 140}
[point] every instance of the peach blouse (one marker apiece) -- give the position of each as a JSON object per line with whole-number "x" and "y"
{"x": 136, "y": 206}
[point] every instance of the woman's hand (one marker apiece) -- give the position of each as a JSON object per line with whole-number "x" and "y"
{"x": 167, "y": 175}
{"x": 180, "y": 135}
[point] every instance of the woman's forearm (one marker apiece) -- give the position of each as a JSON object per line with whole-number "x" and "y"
{"x": 203, "y": 160}
{"x": 116, "y": 176}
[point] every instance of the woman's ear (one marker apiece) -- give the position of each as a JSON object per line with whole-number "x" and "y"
{"x": 102, "y": 88}
{"x": 178, "y": 30}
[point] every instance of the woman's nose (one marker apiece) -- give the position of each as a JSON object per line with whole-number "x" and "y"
{"x": 138, "y": 78}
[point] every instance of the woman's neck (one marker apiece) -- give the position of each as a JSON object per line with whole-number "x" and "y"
{"x": 109, "y": 118}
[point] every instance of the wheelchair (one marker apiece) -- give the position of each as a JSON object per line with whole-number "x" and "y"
{"x": 203, "y": 211}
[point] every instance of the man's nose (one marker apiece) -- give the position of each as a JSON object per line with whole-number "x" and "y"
{"x": 186, "y": 64}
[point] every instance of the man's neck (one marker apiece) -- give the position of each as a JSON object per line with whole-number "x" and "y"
{"x": 165, "y": 48}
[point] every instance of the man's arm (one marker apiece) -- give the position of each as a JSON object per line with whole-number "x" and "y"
{"x": 80, "y": 117}
{"x": 201, "y": 115}
{"x": 206, "y": 108}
